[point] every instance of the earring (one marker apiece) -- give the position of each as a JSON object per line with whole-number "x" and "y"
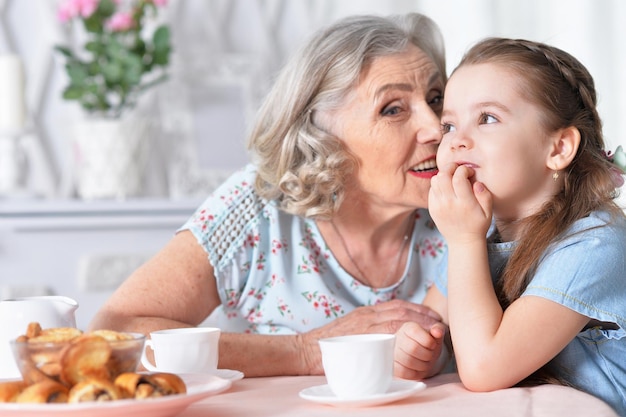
{"x": 555, "y": 175}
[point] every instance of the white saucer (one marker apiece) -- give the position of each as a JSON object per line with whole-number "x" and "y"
{"x": 399, "y": 389}
{"x": 229, "y": 374}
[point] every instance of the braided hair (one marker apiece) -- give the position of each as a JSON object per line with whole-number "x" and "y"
{"x": 564, "y": 90}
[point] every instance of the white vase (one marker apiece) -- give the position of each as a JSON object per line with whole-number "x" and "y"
{"x": 109, "y": 157}
{"x": 13, "y": 165}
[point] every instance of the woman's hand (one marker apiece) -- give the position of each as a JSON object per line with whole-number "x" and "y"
{"x": 381, "y": 318}
{"x": 418, "y": 351}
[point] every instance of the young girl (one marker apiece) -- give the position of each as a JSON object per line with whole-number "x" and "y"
{"x": 542, "y": 298}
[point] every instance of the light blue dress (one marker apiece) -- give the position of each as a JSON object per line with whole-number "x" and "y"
{"x": 275, "y": 274}
{"x": 585, "y": 272}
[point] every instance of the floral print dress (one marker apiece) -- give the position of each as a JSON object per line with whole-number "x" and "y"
{"x": 275, "y": 274}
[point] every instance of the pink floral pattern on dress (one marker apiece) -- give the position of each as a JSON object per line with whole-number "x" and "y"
{"x": 283, "y": 309}
{"x": 321, "y": 302}
{"x": 260, "y": 261}
{"x": 275, "y": 280}
{"x": 234, "y": 193}
{"x": 431, "y": 247}
{"x": 313, "y": 262}
{"x": 279, "y": 246}
{"x": 252, "y": 240}
{"x": 203, "y": 218}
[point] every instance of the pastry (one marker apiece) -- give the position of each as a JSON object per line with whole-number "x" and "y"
{"x": 92, "y": 389}
{"x": 85, "y": 357}
{"x": 139, "y": 386}
{"x": 10, "y": 390}
{"x": 47, "y": 391}
{"x": 54, "y": 335}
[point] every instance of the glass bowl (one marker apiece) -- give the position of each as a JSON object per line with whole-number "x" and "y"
{"x": 69, "y": 361}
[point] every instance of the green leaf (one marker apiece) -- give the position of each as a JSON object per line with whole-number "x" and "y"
{"x": 112, "y": 71}
{"x": 94, "y": 24}
{"x": 161, "y": 38}
{"x": 106, "y": 8}
{"x": 77, "y": 72}
{"x": 73, "y": 92}
{"x": 133, "y": 75}
{"x": 139, "y": 48}
{"x": 115, "y": 49}
{"x": 65, "y": 51}
{"x": 93, "y": 68}
{"x": 95, "y": 47}
{"x": 161, "y": 57}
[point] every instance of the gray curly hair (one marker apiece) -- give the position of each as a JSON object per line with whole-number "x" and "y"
{"x": 300, "y": 163}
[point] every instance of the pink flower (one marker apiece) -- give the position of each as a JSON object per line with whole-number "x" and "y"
{"x": 120, "y": 22}
{"x": 73, "y": 8}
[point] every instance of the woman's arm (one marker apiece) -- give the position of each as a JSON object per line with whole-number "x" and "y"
{"x": 177, "y": 288}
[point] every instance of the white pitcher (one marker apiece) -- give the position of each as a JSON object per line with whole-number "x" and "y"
{"x": 17, "y": 313}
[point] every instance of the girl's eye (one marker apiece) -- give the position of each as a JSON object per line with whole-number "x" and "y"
{"x": 447, "y": 128}
{"x": 486, "y": 119}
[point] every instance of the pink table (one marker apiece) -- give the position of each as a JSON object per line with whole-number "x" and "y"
{"x": 444, "y": 396}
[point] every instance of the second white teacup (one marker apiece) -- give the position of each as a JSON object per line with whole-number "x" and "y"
{"x": 358, "y": 366}
{"x": 183, "y": 350}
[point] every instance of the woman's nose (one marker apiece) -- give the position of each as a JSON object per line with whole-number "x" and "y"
{"x": 429, "y": 128}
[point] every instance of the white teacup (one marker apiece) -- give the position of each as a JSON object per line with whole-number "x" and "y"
{"x": 183, "y": 351}
{"x": 358, "y": 366}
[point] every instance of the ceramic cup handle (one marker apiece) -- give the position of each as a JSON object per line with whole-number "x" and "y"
{"x": 144, "y": 359}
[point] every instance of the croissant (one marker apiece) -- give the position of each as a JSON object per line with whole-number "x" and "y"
{"x": 10, "y": 390}
{"x": 47, "y": 391}
{"x": 139, "y": 386}
{"x": 85, "y": 357}
{"x": 30, "y": 364}
{"x": 93, "y": 389}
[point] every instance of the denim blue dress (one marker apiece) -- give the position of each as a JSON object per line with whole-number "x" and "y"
{"x": 586, "y": 272}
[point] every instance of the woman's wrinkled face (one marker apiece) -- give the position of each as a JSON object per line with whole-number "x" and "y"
{"x": 391, "y": 124}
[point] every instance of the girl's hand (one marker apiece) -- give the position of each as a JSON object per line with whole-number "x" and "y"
{"x": 460, "y": 206}
{"x": 417, "y": 350}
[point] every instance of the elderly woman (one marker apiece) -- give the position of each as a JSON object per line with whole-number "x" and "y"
{"x": 325, "y": 233}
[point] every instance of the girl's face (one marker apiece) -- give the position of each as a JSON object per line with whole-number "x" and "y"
{"x": 391, "y": 124}
{"x": 490, "y": 126}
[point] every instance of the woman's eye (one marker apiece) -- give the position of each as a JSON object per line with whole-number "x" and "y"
{"x": 447, "y": 128}
{"x": 436, "y": 101}
{"x": 486, "y": 119}
{"x": 391, "y": 111}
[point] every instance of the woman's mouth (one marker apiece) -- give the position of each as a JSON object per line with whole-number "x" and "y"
{"x": 426, "y": 169}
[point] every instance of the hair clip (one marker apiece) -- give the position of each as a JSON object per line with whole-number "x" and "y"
{"x": 618, "y": 159}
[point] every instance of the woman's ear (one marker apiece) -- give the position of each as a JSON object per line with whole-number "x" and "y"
{"x": 565, "y": 145}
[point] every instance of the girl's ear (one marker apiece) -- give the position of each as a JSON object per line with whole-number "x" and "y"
{"x": 565, "y": 146}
